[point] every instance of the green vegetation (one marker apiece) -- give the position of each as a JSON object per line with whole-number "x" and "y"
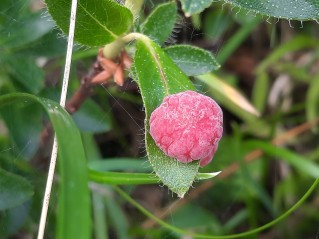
{"x": 257, "y": 59}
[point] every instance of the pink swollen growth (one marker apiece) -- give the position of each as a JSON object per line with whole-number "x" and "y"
{"x": 187, "y": 126}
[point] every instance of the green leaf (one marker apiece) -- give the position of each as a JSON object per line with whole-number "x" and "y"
{"x": 215, "y": 23}
{"x": 48, "y": 46}
{"x": 312, "y": 109}
{"x": 21, "y": 32}
{"x": 118, "y": 164}
{"x": 300, "y": 163}
{"x": 289, "y": 9}
{"x": 236, "y": 40}
{"x": 230, "y": 97}
{"x": 19, "y": 9}
{"x": 27, "y": 73}
{"x": 204, "y": 176}
{"x": 13, "y": 219}
{"x": 245, "y": 234}
{"x": 118, "y": 218}
{"x": 99, "y": 215}
{"x": 192, "y": 60}
{"x": 160, "y": 23}
{"x": 298, "y": 73}
{"x": 98, "y": 174}
{"x": 24, "y": 123}
{"x": 191, "y": 7}
{"x": 115, "y": 178}
{"x": 98, "y": 22}
{"x": 236, "y": 220}
{"x": 200, "y": 218}
{"x": 260, "y": 91}
{"x": 295, "y": 44}
{"x": 7, "y": 10}
{"x": 158, "y": 77}
{"x": 14, "y": 190}
{"x": 91, "y": 118}
{"x": 73, "y": 188}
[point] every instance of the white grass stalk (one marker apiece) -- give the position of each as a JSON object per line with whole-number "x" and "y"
{"x": 47, "y": 193}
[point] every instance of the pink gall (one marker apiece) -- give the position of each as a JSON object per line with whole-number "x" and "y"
{"x": 187, "y": 126}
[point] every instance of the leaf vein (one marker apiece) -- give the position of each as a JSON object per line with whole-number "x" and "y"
{"x": 97, "y": 21}
{"x": 160, "y": 67}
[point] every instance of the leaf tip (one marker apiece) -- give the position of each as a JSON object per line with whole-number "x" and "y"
{"x": 187, "y": 14}
{"x": 203, "y": 176}
{"x": 181, "y": 195}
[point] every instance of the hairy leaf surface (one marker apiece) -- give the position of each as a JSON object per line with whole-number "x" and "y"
{"x": 192, "y": 60}
{"x": 160, "y": 23}
{"x": 162, "y": 78}
{"x": 191, "y": 7}
{"x": 98, "y": 22}
{"x": 289, "y": 9}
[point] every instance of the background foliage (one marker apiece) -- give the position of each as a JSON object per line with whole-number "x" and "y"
{"x": 262, "y": 70}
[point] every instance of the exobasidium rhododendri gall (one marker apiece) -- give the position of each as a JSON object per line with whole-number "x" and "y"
{"x": 187, "y": 126}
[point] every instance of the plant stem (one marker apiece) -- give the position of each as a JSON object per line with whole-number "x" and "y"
{"x": 238, "y": 235}
{"x": 135, "y": 6}
{"x": 230, "y": 170}
{"x": 84, "y": 91}
{"x": 54, "y": 153}
{"x": 236, "y": 40}
{"x": 112, "y": 50}
{"x": 135, "y": 36}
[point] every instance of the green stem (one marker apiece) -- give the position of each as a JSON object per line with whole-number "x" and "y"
{"x": 238, "y": 235}
{"x": 135, "y": 36}
{"x": 135, "y": 6}
{"x": 236, "y": 40}
{"x": 100, "y": 223}
{"x": 112, "y": 50}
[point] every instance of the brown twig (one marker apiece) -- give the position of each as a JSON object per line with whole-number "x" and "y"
{"x": 101, "y": 71}
{"x": 231, "y": 169}
{"x": 73, "y": 104}
{"x": 85, "y": 89}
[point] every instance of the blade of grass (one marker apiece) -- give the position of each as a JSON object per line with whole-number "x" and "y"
{"x": 73, "y": 188}
{"x": 100, "y": 227}
{"x": 230, "y": 97}
{"x": 292, "y": 45}
{"x": 312, "y": 100}
{"x": 236, "y": 40}
{"x": 115, "y": 178}
{"x": 62, "y": 228}
{"x": 299, "y": 162}
{"x": 117, "y": 217}
{"x": 127, "y": 164}
{"x": 99, "y": 212}
{"x": 238, "y": 235}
